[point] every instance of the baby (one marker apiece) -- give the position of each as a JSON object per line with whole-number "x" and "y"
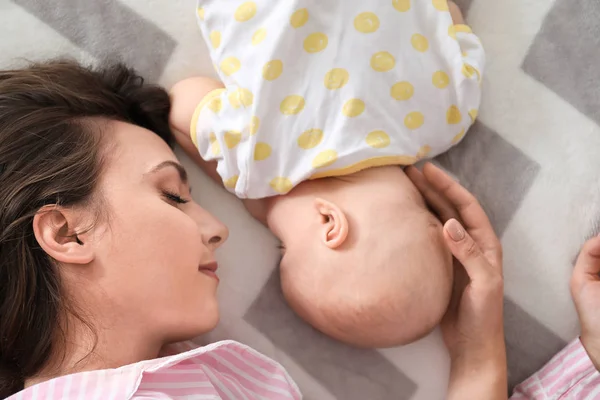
{"x": 322, "y": 101}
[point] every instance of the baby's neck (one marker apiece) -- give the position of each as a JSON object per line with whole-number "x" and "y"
{"x": 329, "y": 188}
{"x": 332, "y": 186}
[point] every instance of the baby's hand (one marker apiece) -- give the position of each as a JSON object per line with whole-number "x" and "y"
{"x": 585, "y": 289}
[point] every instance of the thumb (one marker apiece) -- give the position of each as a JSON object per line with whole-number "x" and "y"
{"x": 466, "y": 251}
{"x": 587, "y": 267}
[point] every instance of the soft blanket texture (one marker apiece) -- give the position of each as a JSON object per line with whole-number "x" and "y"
{"x": 531, "y": 159}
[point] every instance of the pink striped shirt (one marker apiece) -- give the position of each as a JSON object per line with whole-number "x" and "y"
{"x": 222, "y": 370}
{"x": 230, "y": 370}
{"x": 569, "y": 375}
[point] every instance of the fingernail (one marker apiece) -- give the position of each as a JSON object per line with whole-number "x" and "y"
{"x": 455, "y": 230}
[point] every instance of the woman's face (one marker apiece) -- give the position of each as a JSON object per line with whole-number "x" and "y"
{"x": 155, "y": 250}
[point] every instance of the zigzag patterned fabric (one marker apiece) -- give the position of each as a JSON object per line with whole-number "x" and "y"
{"x": 532, "y": 159}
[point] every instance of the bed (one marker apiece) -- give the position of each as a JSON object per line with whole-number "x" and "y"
{"x": 532, "y": 159}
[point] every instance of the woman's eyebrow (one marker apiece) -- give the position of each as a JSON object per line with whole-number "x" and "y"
{"x": 171, "y": 164}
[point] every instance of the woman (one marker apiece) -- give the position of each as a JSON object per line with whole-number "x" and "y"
{"x": 105, "y": 259}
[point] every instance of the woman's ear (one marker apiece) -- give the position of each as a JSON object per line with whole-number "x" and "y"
{"x": 334, "y": 224}
{"x": 55, "y": 230}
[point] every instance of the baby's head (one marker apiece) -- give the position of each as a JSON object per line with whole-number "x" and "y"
{"x": 364, "y": 259}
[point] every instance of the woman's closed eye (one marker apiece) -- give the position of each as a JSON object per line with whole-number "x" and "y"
{"x": 174, "y": 197}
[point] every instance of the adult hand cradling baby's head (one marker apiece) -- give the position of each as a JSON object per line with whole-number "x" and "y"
{"x": 473, "y": 325}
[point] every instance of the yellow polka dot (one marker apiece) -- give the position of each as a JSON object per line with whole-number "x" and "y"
{"x": 402, "y": 91}
{"x": 465, "y": 54}
{"x": 353, "y": 108}
{"x": 299, "y": 18}
{"x": 453, "y": 115}
{"x": 419, "y": 42}
{"x": 315, "y": 42}
{"x": 424, "y": 151}
{"x": 382, "y": 61}
{"x": 230, "y": 65}
{"x": 452, "y": 31}
{"x": 470, "y": 71}
{"x": 231, "y": 182}
{"x": 272, "y": 70}
{"x": 401, "y": 5}
{"x": 378, "y": 139}
{"x": 463, "y": 28}
{"x": 254, "y": 125}
{"x": 262, "y": 151}
{"x": 310, "y": 139}
{"x": 215, "y": 148}
{"x": 241, "y": 98}
{"x": 281, "y": 185}
{"x": 336, "y": 78}
{"x": 215, "y": 39}
{"x": 215, "y": 104}
{"x": 324, "y": 159}
{"x": 232, "y": 138}
{"x": 441, "y": 5}
{"x": 245, "y": 11}
{"x": 292, "y": 104}
{"x": 201, "y": 13}
{"x": 458, "y": 137}
{"x": 473, "y": 114}
{"x": 366, "y": 22}
{"x": 259, "y": 36}
{"x": 414, "y": 120}
{"x": 441, "y": 80}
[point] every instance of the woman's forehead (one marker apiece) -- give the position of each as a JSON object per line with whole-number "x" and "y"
{"x": 135, "y": 148}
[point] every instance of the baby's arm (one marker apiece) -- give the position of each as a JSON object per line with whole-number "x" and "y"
{"x": 185, "y": 97}
{"x": 457, "y": 16}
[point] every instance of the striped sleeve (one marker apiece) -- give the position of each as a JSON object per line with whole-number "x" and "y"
{"x": 569, "y": 375}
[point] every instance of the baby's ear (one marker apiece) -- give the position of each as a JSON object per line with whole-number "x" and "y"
{"x": 334, "y": 224}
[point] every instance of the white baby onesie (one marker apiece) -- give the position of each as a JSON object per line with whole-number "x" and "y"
{"x": 318, "y": 88}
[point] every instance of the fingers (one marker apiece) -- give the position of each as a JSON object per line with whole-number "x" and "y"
{"x": 470, "y": 211}
{"x": 458, "y": 196}
{"x": 468, "y": 253}
{"x": 461, "y": 281}
{"x": 587, "y": 267}
{"x": 438, "y": 203}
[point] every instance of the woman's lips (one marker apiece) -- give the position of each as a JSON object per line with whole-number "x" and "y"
{"x": 210, "y": 269}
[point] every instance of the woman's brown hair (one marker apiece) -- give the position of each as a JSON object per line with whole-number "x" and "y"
{"x": 50, "y": 156}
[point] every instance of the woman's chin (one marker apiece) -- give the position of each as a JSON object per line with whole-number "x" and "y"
{"x": 208, "y": 318}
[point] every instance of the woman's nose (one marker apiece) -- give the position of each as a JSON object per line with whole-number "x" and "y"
{"x": 214, "y": 232}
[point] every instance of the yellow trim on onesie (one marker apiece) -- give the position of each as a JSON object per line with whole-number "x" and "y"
{"x": 463, "y": 28}
{"x": 364, "y": 164}
{"x": 194, "y": 122}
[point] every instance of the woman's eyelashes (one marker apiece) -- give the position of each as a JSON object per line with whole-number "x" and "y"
{"x": 174, "y": 197}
